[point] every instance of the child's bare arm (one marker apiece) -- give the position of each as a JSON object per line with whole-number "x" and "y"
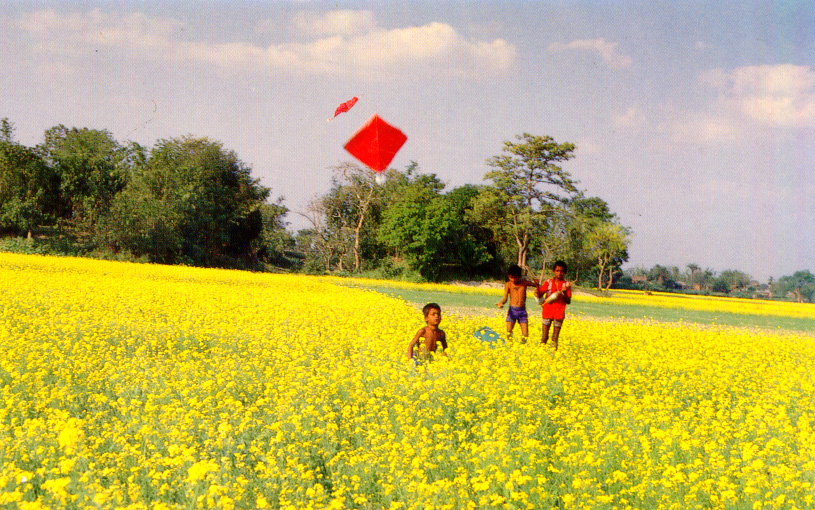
{"x": 413, "y": 342}
{"x": 500, "y": 304}
{"x": 443, "y": 341}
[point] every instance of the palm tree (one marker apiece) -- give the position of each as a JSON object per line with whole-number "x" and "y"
{"x": 693, "y": 268}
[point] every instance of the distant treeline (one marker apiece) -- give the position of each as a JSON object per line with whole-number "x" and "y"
{"x": 190, "y": 201}
{"x": 799, "y": 286}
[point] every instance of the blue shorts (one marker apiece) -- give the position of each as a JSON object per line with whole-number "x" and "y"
{"x": 518, "y": 314}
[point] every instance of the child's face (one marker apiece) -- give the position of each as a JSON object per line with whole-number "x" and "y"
{"x": 433, "y": 317}
{"x": 513, "y": 279}
{"x": 559, "y": 272}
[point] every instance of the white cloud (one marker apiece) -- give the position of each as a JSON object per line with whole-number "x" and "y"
{"x": 780, "y": 95}
{"x": 605, "y": 49}
{"x": 746, "y": 101}
{"x": 351, "y": 45}
{"x": 343, "y": 22}
{"x": 686, "y": 126}
{"x": 632, "y": 119}
{"x": 77, "y": 31}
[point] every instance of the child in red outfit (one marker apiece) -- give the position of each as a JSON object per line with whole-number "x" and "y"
{"x": 554, "y": 294}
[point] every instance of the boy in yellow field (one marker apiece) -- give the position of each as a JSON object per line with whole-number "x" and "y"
{"x": 429, "y": 337}
{"x": 515, "y": 289}
{"x": 554, "y": 294}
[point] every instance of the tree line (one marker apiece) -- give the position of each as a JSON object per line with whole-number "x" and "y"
{"x": 799, "y": 286}
{"x": 531, "y": 213}
{"x": 189, "y": 200}
{"x": 183, "y": 201}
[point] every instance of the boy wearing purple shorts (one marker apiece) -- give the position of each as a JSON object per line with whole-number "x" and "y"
{"x": 515, "y": 289}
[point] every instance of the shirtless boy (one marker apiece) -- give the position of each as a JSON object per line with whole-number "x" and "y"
{"x": 515, "y": 289}
{"x": 429, "y": 337}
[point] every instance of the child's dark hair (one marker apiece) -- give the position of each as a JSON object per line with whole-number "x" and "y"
{"x": 561, "y": 264}
{"x": 514, "y": 270}
{"x": 430, "y": 306}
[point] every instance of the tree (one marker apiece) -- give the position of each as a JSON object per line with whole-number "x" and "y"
{"x": 469, "y": 249}
{"x": 350, "y": 204}
{"x": 662, "y": 276}
{"x": 192, "y": 201}
{"x": 735, "y": 280}
{"x": 694, "y": 268}
{"x": 92, "y": 168}
{"x": 274, "y": 240}
{"x": 405, "y": 224}
{"x": 581, "y": 216}
{"x": 526, "y": 185}
{"x": 552, "y": 236}
{"x": 801, "y": 284}
{"x": 608, "y": 244}
{"x": 318, "y": 242}
{"x": 430, "y": 231}
{"x": 27, "y": 187}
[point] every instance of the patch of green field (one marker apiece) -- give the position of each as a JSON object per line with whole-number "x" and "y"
{"x": 474, "y": 302}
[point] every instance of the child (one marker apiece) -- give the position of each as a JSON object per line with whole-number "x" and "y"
{"x": 515, "y": 288}
{"x": 554, "y": 295}
{"x": 430, "y": 334}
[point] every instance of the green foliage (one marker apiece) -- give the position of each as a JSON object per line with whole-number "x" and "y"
{"x": 527, "y": 184}
{"x": 26, "y": 186}
{"x": 92, "y": 168}
{"x": 275, "y": 244}
{"x": 56, "y": 245}
{"x": 190, "y": 202}
{"x": 800, "y": 284}
{"x": 430, "y": 231}
{"x": 608, "y": 243}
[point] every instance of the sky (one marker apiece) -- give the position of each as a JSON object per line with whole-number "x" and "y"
{"x": 695, "y": 121}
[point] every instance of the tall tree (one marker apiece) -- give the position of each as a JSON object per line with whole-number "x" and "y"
{"x": 28, "y": 189}
{"x": 527, "y": 183}
{"x": 192, "y": 201}
{"x": 693, "y": 268}
{"x": 350, "y": 205}
{"x": 608, "y": 244}
{"x": 92, "y": 168}
{"x": 580, "y": 216}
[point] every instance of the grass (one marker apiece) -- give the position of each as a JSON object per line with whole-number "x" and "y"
{"x": 473, "y": 303}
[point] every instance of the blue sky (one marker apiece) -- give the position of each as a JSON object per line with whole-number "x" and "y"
{"x": 694, "y": 120}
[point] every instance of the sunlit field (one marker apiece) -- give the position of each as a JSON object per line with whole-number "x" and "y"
{"x": 142, "y": 386}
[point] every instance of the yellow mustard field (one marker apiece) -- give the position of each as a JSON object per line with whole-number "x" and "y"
{"x": 153, "y": 387}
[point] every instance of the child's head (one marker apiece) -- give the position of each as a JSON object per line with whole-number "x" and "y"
{"x": 430, "y": 306}
{"x": 559, "y": 268}
{"x": 514, "y": 271}
{"x": 432, "y": 312}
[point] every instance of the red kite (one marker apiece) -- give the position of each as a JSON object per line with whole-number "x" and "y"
{"x": 376, "y": 143}
{"x": 344, "y": 107}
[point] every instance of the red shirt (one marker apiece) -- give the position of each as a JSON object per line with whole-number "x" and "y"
{"x": 557, "y": 309}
